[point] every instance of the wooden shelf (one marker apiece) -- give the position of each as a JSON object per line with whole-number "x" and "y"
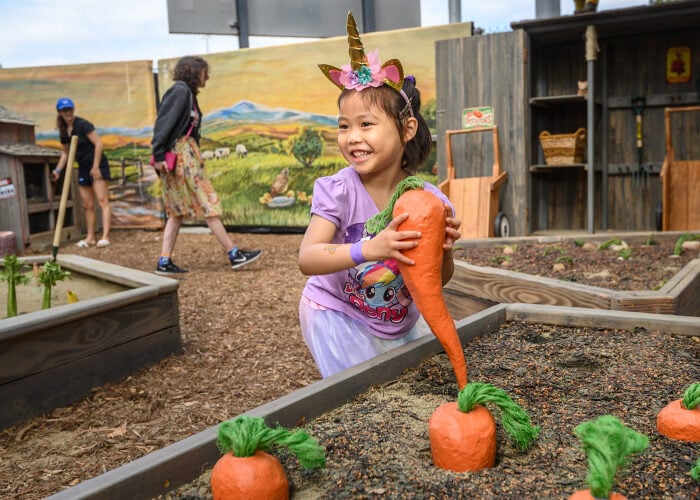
{"x": 548, "y": 101}
{"x": 549, "y": 168}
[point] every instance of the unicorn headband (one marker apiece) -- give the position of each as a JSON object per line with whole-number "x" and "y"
{"x": 365, "y": 70}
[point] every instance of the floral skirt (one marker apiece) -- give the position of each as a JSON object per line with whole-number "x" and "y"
{"x": 187, "y": 192}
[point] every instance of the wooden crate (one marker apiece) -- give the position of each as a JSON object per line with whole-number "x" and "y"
{"x": 563, "y": 149}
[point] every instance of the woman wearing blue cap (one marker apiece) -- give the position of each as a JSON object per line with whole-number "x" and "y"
{"x": 93, "y": 169}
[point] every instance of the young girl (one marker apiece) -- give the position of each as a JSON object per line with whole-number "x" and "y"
{"x": 355, "y": 305}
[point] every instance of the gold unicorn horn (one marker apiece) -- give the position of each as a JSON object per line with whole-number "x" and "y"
{"x": 357, "y": 51}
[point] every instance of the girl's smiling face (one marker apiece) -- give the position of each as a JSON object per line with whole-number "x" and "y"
{"x": 368, "y": 138}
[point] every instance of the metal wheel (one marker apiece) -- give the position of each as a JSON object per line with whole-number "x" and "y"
{"x": 501, "y": 226}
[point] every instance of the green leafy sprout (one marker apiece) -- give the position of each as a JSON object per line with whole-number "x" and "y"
{"x": 553, "y": 249}
{"x": 609, "y": 243}
{"x": 607, "y": 443}
{"x": 695, "y": 471}
{"x": 566, "y": 259}
{"x": 515, "y": 420}
{"x": 245, "y": 435}
{"x": 625, "y": 253}
{"x": 498, "y": 259}
{"x": 691, "y": 396}
{"x": 11, "y": 273}
{"x": 678, "y": 249}
{"x": 50, "y": 274}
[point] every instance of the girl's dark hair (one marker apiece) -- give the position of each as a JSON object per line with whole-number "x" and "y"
{"x": 62, "y": 126}
{"x": 189, "y": 70}
{"x": 417, "y": 149}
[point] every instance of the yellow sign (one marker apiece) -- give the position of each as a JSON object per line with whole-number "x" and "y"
{"x": 678, "y": 65}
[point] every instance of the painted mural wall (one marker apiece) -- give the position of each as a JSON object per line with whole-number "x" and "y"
{"x": 269, "y": 128}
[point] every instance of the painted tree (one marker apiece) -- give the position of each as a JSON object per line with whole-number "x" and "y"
{"x": 306, "y": 146}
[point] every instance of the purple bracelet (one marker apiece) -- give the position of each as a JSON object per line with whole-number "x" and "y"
{"x": 356, "y": 253}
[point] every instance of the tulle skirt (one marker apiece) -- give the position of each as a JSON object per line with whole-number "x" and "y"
{"x": 338, "y": 342}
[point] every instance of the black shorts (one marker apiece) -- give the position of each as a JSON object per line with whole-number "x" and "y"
{"x": 85, "y": 179}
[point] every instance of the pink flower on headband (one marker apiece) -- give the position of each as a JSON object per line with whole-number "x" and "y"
{"x": 370, "y": 74}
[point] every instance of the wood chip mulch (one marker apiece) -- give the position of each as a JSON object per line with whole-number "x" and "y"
{"x": 243, "y": 348}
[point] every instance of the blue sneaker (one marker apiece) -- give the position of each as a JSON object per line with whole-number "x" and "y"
{"x": 243, "y": 257}
{"x": 169, "y": 269}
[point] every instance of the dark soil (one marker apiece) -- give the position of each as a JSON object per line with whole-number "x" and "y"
{"x": 242, "y": 348}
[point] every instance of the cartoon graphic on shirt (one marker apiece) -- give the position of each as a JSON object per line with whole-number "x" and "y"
{"x": 376, "y": 288}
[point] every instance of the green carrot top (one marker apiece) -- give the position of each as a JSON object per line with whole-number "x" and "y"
{"x": 378, "y": 222}
{"x": 246, "y": 435}
{"x": 607, "y": 443}
{"x": 691, "y": 396}
{"x": 515, "y": 420}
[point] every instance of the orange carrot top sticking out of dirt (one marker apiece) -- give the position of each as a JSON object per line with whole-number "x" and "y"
{"x": 680, "y": 419}
{"x": 427, "y": 214}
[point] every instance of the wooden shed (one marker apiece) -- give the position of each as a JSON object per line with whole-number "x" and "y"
{"x": 531, "y": 76}
{"x": 29, "y": 201}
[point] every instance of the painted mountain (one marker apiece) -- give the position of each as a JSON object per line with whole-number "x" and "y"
{"x": 243, "y": 113}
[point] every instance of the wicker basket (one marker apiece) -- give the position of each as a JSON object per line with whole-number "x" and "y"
{"x": 563, "y": 149}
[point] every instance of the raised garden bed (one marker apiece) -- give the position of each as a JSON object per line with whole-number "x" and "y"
{"x": 49, "y": 358}
{"x": 540, "y": 385}
{"x": 479, "y": 286}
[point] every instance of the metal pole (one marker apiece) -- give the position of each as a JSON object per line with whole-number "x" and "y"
{"x": 243, "y": 26}
{"x": 369, "y": 22}
{"x": 455, "y": 9}
{"x": 547, "y": 8}
{"x": 590, "y": 146}
{"x": 591, "y": 56}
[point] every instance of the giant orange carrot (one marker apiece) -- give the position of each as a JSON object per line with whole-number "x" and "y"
{"x": 427, "y": 214}
{"x": 424, "y": 278}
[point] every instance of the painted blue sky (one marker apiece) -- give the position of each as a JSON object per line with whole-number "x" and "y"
{"x": 58, "y": 32}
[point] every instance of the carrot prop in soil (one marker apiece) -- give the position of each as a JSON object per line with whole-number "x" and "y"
{"x": 427, "y": 214}
{"x": 680, "y": 419}
{"x": 245, "y": 470}
{"x": 463, "y": 433}
{"x": 607, "y": 443}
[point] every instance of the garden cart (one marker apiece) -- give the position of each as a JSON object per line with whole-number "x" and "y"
{"x": 476, "y": 198}
{"x": 680, "y": 185}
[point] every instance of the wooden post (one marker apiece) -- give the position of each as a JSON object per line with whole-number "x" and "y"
{"x": 64, "y": 195}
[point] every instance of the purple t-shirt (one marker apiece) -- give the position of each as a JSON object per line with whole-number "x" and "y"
{"x": 372, "y": 292}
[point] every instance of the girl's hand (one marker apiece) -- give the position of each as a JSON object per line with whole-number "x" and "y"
{"x": 452, "y": 232}
{"x": 96, "y": 174}
{"x": 160, "y": 166}
{"x": 389, "y": 243}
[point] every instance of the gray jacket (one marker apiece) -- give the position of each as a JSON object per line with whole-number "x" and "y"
{"x": 173, "y": 120}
